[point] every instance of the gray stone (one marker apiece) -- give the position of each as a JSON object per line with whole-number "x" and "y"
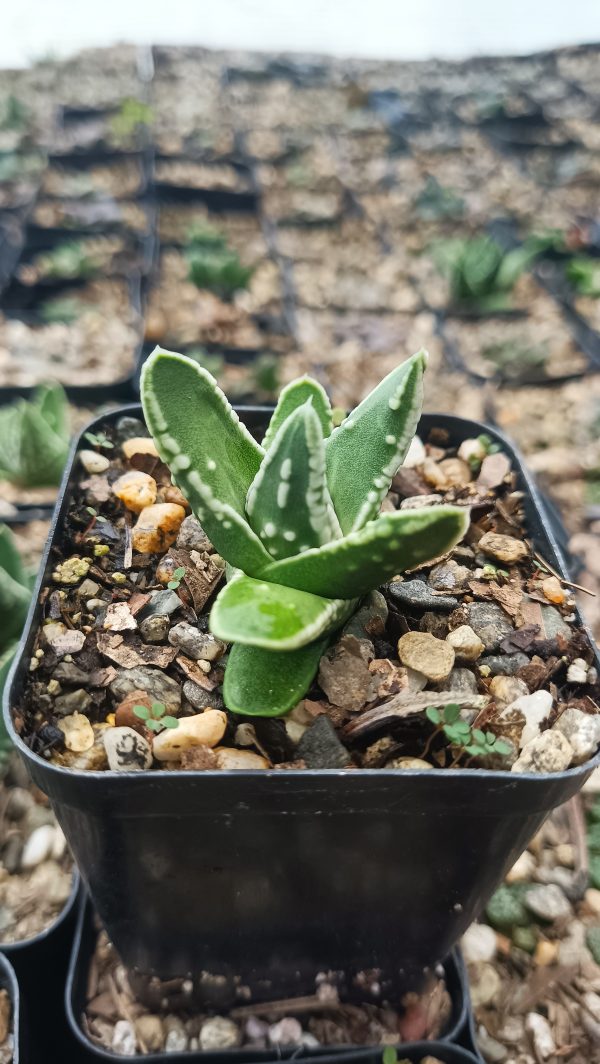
{"x": 554, "y": 624}
{"x": 158, "y": 685}
{"x": 68, "y": 673}
{"x": 548, "y": 902}
{"x": 415, "y": 594}
{"x": 192, "y": 536}
{"x": 200, "y": 699}
{"x": 344, "y": 672}
{"x": 162, "y": 603}
{"x": 460, "y": 681}
{"x": 73, "y": 702}
{"x": 504, "y": 664}
{"x": 370, "y": 620}
{"x": 129, "y": 428}
{"x": 127, "y": 750}
{"x": 320, "y": 747}
{"x": 582, "y": 731}
{"x": 155, "y": 628}
{"x": 449, "y": 576}
{"x": 196, "y": 644}
{"x": 434, "y": 623}
{"x": 490, "y": 623}
{"x": 88, "y": 589}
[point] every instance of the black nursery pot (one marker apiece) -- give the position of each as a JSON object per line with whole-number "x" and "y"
{"x": 84, "y": 944}
{"x": 8, "y": 982}
{"x": 285, "y": 872}
{"x": 40, "y": 964}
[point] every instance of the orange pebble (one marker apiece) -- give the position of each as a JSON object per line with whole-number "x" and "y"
{"x": 156, "y": 527}
{"x": 553, "y": 590}
{"x": 136, "y": 490}
{"x": 139, "y": 445}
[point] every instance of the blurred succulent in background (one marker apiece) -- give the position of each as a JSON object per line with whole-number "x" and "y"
{"x": 297, "y": 518}
{"x": 34, "y": 438}
{"x": 15, "y": 594}
{"x": 213, "y": 264}
{"x": 438, "y": 202}
{"x": 481, "y": 273}
{"x": 132, "y": 116}
{"x": 584, "y": 275}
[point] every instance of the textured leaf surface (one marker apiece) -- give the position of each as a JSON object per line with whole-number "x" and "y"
{"x": 365, "y": 452}
{"x": 273, "y": 617}
{"x": 365, "y": 559}
{"x": 211, "y": 455}
{"x": 293, "y": 396}
{"x": 288, "y": 504}
{"x": 10, "y": 559}
{"x": 261, "y": 683}
{"x": 43, "y": 452}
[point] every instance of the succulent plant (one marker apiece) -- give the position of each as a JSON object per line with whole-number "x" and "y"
{"x": 15, "y": 594}
{"x": 481, "y": 273}
{"x": 34, "y": 438}
{"x": 213, "y": 264}
{"x": 297, "y": 517}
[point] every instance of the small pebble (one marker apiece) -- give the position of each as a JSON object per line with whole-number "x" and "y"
{"x": 38, "y": 847}
{"x": 548, "y": 902}
{"x": 155, "y": 629}
{"x": 523, "y": 869}
{"x": 232, "y": 760}
{"x": 191, "y": 536}
{"x": 466, "y": 643}
{"x": 479, "y": 944}
{"x": 416, "y": 454}
{"x": 219, "y": 1033}
{"x": 577, "y": 671}
{"x": 582, "y": 731}
{"x": 139, "y": 445}
{"x": 127, "y": 750}
{"x": 287, "y": 1032}
{"x": 549, "y": 752}
{"x": 149, "y": 1030}
{"x": 156, "y": 527}
{"x": 505, "y": 549}
{"x": 203, "y": 729}
{"x": 196, "y": 644}
{"x": 541, "y": 1033}
{"x": 136, "y": 490}
{"x": 485, "y": 984}
{"x": 545, "y": 954}
{"x": 78, "y": 732}
{"x": 93, "y": 462}
{"x": 506, "y": 689}
{"x": 432, "y": 657}
{"x": 553, "y": 590}
{"x": 535, "y": 708}
{"x": 124, "y": 1042}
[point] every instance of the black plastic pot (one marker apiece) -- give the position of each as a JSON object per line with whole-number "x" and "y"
{"x": 85, "y": 160}
{"x": 8, "y": 982}
{"x": 281, "y": 871}
{"x": 82, "y": 953}
{"x": 216, "y": 199}
{"x": 40, "y": 965}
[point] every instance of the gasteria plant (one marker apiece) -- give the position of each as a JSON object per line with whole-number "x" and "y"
{"x": 34, "y": 438}
{"x": 480, "y": 272}
{"x": 297, "y": 518}
{"x": 15, "y": 593}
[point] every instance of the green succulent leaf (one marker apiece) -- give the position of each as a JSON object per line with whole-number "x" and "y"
{"x": 34, "y": 439}
{"x": 273, "y": 617}
{"x": 365, "y": 452}
{"x": 288, "y": 504}
{"x": 349, "y": 567}
{"x": 14, "y": 603}
{"x": 263, "y": 683}
{"x": 294, "y": 395}
{"x": 10, "y": 559}
{"x": 211, "y": 455}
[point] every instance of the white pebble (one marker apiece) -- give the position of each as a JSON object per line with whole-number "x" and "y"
{"x": 93, "y": 462}
{"x": 577, "y": 671}
{"x": 39, "y": 846}
{"x": 479, "y": 943}
{"x": 287, "y": 1032}
{"x": 541, "y": 1032}
{"x": 415, "y": 455}
{"x": 219, "y": 1033}
{"x": 124, "y": 1042}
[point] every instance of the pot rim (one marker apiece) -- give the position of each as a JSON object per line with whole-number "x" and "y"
{"x": 141, "y": 778}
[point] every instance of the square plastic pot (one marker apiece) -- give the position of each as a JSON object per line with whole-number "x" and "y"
{"x": 280, "y": 872}
{"x": 40, "y": 966}
{"x": 76, "y": 995}
{"x": 8, "y": 982}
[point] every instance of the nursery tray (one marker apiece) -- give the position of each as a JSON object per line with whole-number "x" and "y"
{"x": 83, "y": 161}
{"x": 215, "y": 198}
{"x": 84, "y": 944}
{"x": 19, "y": 301}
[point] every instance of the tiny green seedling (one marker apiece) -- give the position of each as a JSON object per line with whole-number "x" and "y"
{"x": 389, "y": 1055}
{"x": 178, "y": 575}
{"x": 98, "y": 518}
{"x": 156, "y": 718}
{"x": 98, "y": 439}
{"x": 461, "y": 736}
